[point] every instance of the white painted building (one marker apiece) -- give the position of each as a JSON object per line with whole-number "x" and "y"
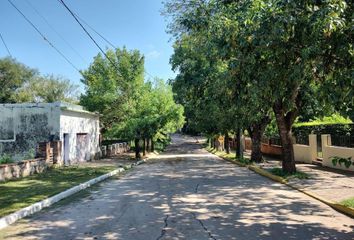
{"x": 24, "y": 125}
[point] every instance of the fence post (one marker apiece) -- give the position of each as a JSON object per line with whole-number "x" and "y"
{"x": 326, "y": 142}
{"x": 313, "y": 146}
{"x": 104, "y": 151}
{"x": 57, "y": 149}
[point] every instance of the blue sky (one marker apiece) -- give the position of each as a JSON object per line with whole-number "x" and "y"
{"x": 136, "y": 24}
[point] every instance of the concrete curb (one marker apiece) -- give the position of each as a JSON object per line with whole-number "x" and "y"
{"x": 36, "y": 207}
{"x": 338, "y": 207}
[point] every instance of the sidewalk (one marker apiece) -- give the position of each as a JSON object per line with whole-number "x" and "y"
{"x": 331, "y": 184}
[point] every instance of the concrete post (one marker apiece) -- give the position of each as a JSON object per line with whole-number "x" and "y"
{"x": 104, "y": 151}
{"x": 326, "y": 142}
{"x": 114, "y": 149}
{"x": 47, "y": 152}
{"x": 313, "y": 146}
{"x": 109, "y": 150}
{"x": 57, "y": 153}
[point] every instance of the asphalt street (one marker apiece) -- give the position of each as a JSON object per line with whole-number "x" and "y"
{"x": 187, "y": 193}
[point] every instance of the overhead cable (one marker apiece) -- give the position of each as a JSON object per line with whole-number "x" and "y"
{"x": 43, "y": 36}
{"x": 3, "y": 41}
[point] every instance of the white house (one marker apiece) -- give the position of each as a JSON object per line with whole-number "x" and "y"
{"x": 24, "y": 125}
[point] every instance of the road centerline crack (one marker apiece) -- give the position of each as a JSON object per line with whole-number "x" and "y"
{"x": 163, "y": 231}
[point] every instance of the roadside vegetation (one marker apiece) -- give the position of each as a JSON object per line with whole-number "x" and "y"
{"x": 244, "y": 65}
{"x": 17, "y": 194}
{"x": 20, "y": 83}
{"x": 279, "y": 172}
{"x": 132, "y": 107}
{"x": 348, "y": 202}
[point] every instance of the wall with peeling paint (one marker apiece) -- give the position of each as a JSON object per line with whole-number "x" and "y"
{"x": 78, "y": 126}
{"x": 22, "y": 126}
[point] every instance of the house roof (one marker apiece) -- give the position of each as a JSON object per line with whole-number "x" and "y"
{"x": 62, "y": 105}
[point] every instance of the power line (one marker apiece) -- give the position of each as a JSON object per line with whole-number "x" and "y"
{"x": 42, "y": 35}
{"x": 3, "y": 41}
{"x": 59, "y": 35}
{"x": 78, "y": 19}
{"x": 105, "y": 39}
{"x": 94, "y": 30}
{"x": 88, "y": 34}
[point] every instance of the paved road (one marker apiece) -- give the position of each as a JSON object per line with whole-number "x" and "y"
{"x": 188, "y": 194}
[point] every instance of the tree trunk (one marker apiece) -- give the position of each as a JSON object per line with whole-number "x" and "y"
{"x": 227, "y": 143}
{"x": 137, "y": 148}
{"x": 284, "y": 123}
{"x": 239, "y": 150}
{"x": 256, "y": 132}
{"x": 144, "y": 146}
{"x": 152, "y": 145}
{"x": 148, "y": 145}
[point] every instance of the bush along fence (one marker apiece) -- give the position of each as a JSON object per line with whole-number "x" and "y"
{"x": 49, "y": 154}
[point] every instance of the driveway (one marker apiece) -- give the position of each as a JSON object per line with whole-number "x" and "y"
{"x": 187, "y": 193}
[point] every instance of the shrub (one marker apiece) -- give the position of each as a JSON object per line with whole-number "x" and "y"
{"x": 6, "y": 159}
{"x": 339, "y": 160}
{"x": 333, "y": 129}
{"x": 279, "y": 172}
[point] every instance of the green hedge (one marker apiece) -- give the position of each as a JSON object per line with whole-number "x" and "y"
{"x": 333, "y": 129}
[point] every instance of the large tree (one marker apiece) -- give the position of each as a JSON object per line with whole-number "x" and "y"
{"x": 276, "y": 52}
{"x": 12, "y": 76}
{"x": 113, "y": 85}
{"x": 131, "y": 108}
{"x": 20, "y": 83}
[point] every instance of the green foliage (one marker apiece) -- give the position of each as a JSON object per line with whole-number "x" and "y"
{"x": 20, "y": 83}
{"x": 332, "y": 129}
{"x": 12, "y": 76}
{"x": 258, "y": 56}
{"x": 279, "y": 172}
{"x": 155, "y": 116}
{"x": 348, "y": 202}
{"x": 113, "y": 89}
{"x": 5, "y": 158}
{"x": 130, "y": 108}
{"x": 48, "y": 88}
{"x": 333, "y": 119}
{"x": 30, "y": 154}
{"x": 340, "y": 160}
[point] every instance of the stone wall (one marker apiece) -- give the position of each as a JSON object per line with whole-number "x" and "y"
{"x": 22, "y": 169}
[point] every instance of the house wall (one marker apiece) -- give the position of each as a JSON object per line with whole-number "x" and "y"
{"x": 22, "y": 126}
{"x": 73, "y": 123}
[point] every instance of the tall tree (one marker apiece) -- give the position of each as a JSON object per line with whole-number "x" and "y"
{"x": 12, "y": 76}
{"x": 112, "y": 89}
{"x": 275, "y": 50}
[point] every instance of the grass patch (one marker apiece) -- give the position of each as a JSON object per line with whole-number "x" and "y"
{"x": 348, "y": 202}
{"x": 279, "y": 172}
{"x": 230, "y": 156}
{"x": 17, "y": 194}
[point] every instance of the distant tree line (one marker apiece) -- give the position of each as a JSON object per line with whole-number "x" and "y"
{"x": 20, "y": 83}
